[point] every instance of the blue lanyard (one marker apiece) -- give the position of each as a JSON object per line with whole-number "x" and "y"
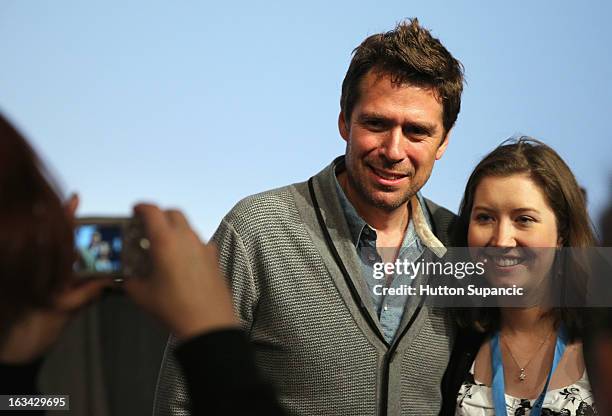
{"x": 499, "y": 399}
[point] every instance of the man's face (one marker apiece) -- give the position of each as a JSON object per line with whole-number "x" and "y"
{"x": 394, "y": 136}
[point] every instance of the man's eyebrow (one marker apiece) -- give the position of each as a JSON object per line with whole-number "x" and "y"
{"x": 423, "y": 127}
{"x": 372, "y": 116}
{"x": 419, "y": 126}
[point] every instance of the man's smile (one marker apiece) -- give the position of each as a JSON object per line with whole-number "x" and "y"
{"x": 388, "y": 177}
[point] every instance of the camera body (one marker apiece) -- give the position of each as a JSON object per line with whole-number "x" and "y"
{"x": 107, "y": 246}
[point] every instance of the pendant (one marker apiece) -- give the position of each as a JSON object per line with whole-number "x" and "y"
{"x": 522, "y": 376}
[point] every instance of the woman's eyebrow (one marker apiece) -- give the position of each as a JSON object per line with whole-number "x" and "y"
{"x": 526, "y": 209}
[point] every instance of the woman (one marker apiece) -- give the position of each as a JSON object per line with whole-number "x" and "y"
{"x": 523, "y": 209}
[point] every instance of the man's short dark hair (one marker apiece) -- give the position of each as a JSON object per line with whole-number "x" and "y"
{"x": 410, "y": 55}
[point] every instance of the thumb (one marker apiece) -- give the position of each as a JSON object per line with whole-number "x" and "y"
{"x": 71, "y": 205}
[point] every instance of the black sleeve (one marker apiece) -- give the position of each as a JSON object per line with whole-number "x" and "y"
{"x": 20, "y": 379}
{"x": 222, "y": 377}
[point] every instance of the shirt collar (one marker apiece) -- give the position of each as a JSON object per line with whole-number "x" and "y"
{"x": 420, "y": 220}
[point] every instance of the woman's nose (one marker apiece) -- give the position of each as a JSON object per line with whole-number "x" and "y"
{"x": 503, "y": 235}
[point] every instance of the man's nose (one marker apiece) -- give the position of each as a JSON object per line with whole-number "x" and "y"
{"x": 393, "y": 147}
{"x": 503, "y": 235}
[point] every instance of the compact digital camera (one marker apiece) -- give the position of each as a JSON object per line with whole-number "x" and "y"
{"x": 116, "y": 247}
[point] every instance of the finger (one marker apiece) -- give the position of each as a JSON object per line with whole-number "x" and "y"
{"x": 177, "y": 219}
{"x": 76, "y": 296}
{"x": 71, "y": 205}
{"x": 156, "y": 223}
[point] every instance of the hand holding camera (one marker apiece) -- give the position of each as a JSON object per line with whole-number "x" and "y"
{"x": 185, "y": 289}
{"x": 35, "y": 331}
{"x": 163, "y": 265}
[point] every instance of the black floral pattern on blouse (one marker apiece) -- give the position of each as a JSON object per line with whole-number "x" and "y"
{"x": 469, "y": 383}
{"x": 571, "y": 394}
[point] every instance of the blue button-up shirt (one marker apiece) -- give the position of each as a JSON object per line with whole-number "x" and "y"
{"x": 389, "y": 309}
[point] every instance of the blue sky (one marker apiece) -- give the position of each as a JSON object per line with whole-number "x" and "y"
{"x": 196, "y": 105}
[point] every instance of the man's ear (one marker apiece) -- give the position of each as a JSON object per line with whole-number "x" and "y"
{"x": 443, "y": 145}
{"x": 342, "y": 127}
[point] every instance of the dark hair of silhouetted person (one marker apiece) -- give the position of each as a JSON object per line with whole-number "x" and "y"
{"x": 35, "y": 231}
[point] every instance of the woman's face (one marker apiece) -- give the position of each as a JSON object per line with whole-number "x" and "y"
{"x": 516, "y": 230}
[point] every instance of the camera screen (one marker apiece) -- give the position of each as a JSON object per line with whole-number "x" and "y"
{"x": 98, "y": 248}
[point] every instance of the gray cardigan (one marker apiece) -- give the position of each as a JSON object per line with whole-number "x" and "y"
{"x": 309, "y": 329}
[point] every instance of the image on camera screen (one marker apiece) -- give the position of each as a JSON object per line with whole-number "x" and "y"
{"x": 98, "y": 248}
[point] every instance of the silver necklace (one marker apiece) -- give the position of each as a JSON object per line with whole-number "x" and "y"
{"x": 523, "y": 374}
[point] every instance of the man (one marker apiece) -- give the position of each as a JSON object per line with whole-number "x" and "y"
{"x": 299, "y": 259}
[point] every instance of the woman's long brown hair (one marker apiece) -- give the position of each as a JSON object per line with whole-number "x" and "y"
{"x": 35, "y": 232}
